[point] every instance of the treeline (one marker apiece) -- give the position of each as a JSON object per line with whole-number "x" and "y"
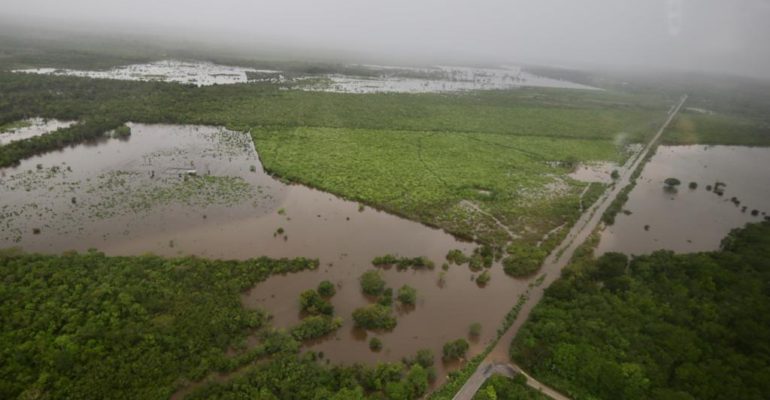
{"x": 91, "y": 326}
{"x": 660, "y": 326}
{"x": 87, "y": 130}
{"x": 303, "y": 377}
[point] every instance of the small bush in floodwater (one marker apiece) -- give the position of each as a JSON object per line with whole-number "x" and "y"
{"x": 374, "y": 316}
{"x": 407, "y": 295}
{"x": 386, "y": 298}
{"x": 326, "y": 289}
{"x": 671, "y": 182}
{"x": 693, "y": 185}
{"x": 483, "y": 279}
{"x": 372, "y": 283}
{"x": 375, "y": 344}
{"x": 475, "y": 330}
{"x": 312, "y": 303}
{"x": 455, "y": 350}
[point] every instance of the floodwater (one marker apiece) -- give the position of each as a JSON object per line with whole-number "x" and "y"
{"x": 445, "y": 79}
{"x": 195, "y": 73}
{"x": 33, "y": 127}
{"x": 691, "y": 220}
{"x": 129, "y": 197}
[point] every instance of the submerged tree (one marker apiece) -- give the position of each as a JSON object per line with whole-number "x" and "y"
{"x": 672, "y": 182}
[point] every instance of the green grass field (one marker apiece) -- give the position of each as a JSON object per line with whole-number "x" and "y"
{"x": 431, "y": 176}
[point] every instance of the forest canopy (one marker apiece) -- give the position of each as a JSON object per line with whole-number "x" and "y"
{"x": 664, "y": 326}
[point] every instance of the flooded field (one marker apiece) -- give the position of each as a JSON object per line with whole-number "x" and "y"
{"x": 440, "y": 79}
{"x": 32, "y": 127}
{"x": 692, "y": 216}
{"x": 195, "y": 73}
{"x": 188, "y": 190}
{"x": 595, "y": 172}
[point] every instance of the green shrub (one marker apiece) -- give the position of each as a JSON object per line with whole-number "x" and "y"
{"x": 524, "y": 260}
{"x": 312, "y": 303}
{"x": 407, "y": 295}
{"x": 484, "y": 278}
{"x": 326, "y": 289}
{"x": 374, "y": 316}
{"x": 457, "y": 257}
{"x": 315, "y": 326}
{"x": 455, "y": 350}
{"x": 372, "y": 283}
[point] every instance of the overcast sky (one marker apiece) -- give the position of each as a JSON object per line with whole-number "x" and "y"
{"x": 730, "y": 36}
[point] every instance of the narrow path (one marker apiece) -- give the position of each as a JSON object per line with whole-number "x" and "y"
{"x": 502, "y": 226}
{"x": 552, "y": 266}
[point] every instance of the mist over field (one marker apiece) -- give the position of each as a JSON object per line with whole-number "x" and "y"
{"x": 701, "y": 35}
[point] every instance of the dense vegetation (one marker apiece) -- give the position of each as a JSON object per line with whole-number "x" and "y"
{"x": 289, "y": 377}
{"x": 665, "y": 326}
{"x": 90, "y": 326}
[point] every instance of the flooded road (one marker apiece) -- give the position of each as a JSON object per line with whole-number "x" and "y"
{"x": 189, "y": 190}
{"x": 690, "y": 219}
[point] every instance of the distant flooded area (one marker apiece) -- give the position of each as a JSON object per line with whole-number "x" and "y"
{"x": 440, "y": 79}
{"x": 194, "y": 73}
{"x": 719, "y": 188}
{"x": 359, "y": 79}
{"x": 196, "y": 190}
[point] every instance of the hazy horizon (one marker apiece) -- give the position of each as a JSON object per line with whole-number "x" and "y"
{"x": 704, "y": 36}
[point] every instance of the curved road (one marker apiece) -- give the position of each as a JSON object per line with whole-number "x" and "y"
{"x": 498, "y": 360}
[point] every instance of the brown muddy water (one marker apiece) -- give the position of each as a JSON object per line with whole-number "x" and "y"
{"x": 691, "y": 220}
{"x": 129, "y": 197}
